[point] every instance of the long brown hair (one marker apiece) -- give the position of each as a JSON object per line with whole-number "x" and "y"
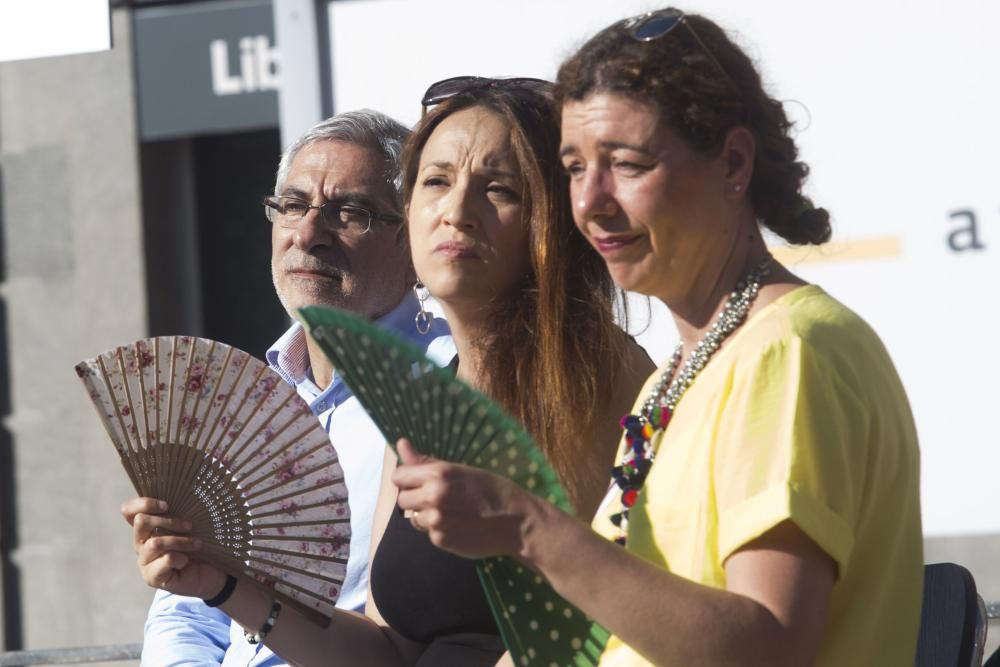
{"x": 553, "y": 351}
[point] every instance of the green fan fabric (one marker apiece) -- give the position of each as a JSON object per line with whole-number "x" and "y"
{"x": 407, "y": 395}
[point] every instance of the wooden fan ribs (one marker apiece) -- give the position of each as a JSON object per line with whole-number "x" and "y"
{"x": 235, "y": 426}
{"x": 109, "y": 420}
{"x": 296, "y": 447}
{"x": 236, "y": 364}
{"x": 142, "y": 355}
{"x": 171, "y": 399}
{"x": 185, "y": 458}
{"x": 198, "y": 368}
{"x": 320, "y": 483}
{"x": 231, "y": 448}
{"x": 126, "y": 413}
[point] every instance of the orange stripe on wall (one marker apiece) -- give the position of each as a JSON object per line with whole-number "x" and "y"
{"x": 840, "y": 251}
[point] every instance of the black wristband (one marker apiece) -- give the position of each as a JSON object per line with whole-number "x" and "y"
{"x": 223, "y": 595}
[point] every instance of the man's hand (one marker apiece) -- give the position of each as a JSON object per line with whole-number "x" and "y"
{"x": 166, "y": 556}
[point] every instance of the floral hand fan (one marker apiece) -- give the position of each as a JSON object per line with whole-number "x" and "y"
{"x": 409, "y": 396}
{"x": 233, "y": 449}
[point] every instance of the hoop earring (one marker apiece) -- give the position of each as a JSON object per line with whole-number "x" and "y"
{"x": 424, "y": 319}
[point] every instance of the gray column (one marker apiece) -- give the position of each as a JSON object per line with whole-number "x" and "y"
{"x": 300, "y": 97}
{"x": 73, "y": 285}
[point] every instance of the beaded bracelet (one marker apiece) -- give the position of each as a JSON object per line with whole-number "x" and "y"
{"x": 259, "y": 636}
{"x": 223, "y": 595}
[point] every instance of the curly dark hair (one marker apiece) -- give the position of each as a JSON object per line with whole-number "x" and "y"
{"x": 703, "y": 85}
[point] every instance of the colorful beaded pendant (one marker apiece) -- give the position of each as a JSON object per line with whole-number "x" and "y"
{"x": 638, "y": 459}
{"x": 658, "y": 408}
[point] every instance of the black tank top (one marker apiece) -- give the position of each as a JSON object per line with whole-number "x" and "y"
{"x": 431, "y": 596}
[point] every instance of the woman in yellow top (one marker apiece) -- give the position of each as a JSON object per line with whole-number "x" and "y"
{"x": 767, "y": 490}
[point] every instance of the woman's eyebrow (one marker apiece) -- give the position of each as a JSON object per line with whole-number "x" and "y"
{"x": 439, "y": 164}
{"x": 499, "y": 172}
{"x": 488, "y": 169}
{"x": 570, "y": 149}
{"x": 612, "y": 145}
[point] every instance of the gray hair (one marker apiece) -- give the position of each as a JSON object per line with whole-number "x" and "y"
{"x": 364, "y": 127}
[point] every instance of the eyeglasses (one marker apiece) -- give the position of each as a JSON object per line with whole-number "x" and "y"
{"x": 346, "y": 219}
{"x": 448, "y": 88}
{"x": 653, "y": 25}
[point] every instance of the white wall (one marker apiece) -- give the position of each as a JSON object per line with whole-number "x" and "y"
{"x": 900, "y": 132}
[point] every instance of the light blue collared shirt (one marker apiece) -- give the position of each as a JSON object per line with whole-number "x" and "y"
{"x": 182, "y": 631}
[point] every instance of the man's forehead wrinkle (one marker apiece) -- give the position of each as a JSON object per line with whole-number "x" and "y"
{"x": 334, "y": 185}
{"x": 339, "y": 171}
{"x": 293, "y": 191}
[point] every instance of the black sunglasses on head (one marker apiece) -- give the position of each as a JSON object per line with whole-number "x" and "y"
{"x": 447, "y": 88}
{"x": 653, "y": 25}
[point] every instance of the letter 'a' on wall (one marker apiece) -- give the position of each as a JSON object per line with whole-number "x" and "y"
{"x": 43, "y": 28}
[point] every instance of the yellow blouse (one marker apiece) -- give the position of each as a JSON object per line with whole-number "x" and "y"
{"x": 800, "y": 416}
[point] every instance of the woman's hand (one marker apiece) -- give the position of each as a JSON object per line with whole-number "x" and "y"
{"x": 467, "y": 511}
{"x": 167, "y": 558}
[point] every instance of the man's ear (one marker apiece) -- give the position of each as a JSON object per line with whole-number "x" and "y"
{"x": 403, "y": 233}
{"x": 403, "y": 238}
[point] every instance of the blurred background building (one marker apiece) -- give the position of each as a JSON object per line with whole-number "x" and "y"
{"x": 130, "y": 187}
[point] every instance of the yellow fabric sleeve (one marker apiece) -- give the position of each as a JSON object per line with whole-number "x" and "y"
{"x": 787, "y": 448}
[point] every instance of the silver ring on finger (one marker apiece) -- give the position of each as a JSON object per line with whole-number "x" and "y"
{"x": 415, "y": 521}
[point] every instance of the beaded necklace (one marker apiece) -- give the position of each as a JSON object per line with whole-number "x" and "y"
{"x": 659, "y": 405}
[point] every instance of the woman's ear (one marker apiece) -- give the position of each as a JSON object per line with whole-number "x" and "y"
{"x": 738, "y": 150}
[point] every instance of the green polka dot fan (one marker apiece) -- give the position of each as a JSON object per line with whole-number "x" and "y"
{"x": 232, "y": 448}
{"x": 409, "y": 396}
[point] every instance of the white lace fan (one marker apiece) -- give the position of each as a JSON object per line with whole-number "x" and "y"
{"x": 233, "y": 449}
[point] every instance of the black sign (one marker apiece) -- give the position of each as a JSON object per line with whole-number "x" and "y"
{"x": 206, "y": 68}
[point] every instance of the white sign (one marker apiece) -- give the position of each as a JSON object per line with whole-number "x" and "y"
{"x": 897, "y": 107}
{"x": 41, "y": 28}
{"x": 258, "y": 66}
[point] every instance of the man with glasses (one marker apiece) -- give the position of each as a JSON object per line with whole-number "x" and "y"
{"x": 337, "y": 240}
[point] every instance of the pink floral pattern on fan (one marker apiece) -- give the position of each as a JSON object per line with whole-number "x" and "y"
{"x": 231, "y": 447}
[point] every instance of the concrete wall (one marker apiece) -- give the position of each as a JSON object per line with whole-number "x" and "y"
{"x": 73, "y": 285}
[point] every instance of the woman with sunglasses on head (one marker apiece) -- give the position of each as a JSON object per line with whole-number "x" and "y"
{"x": 767, "y": 493}
{"x": 530, "y": 306}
